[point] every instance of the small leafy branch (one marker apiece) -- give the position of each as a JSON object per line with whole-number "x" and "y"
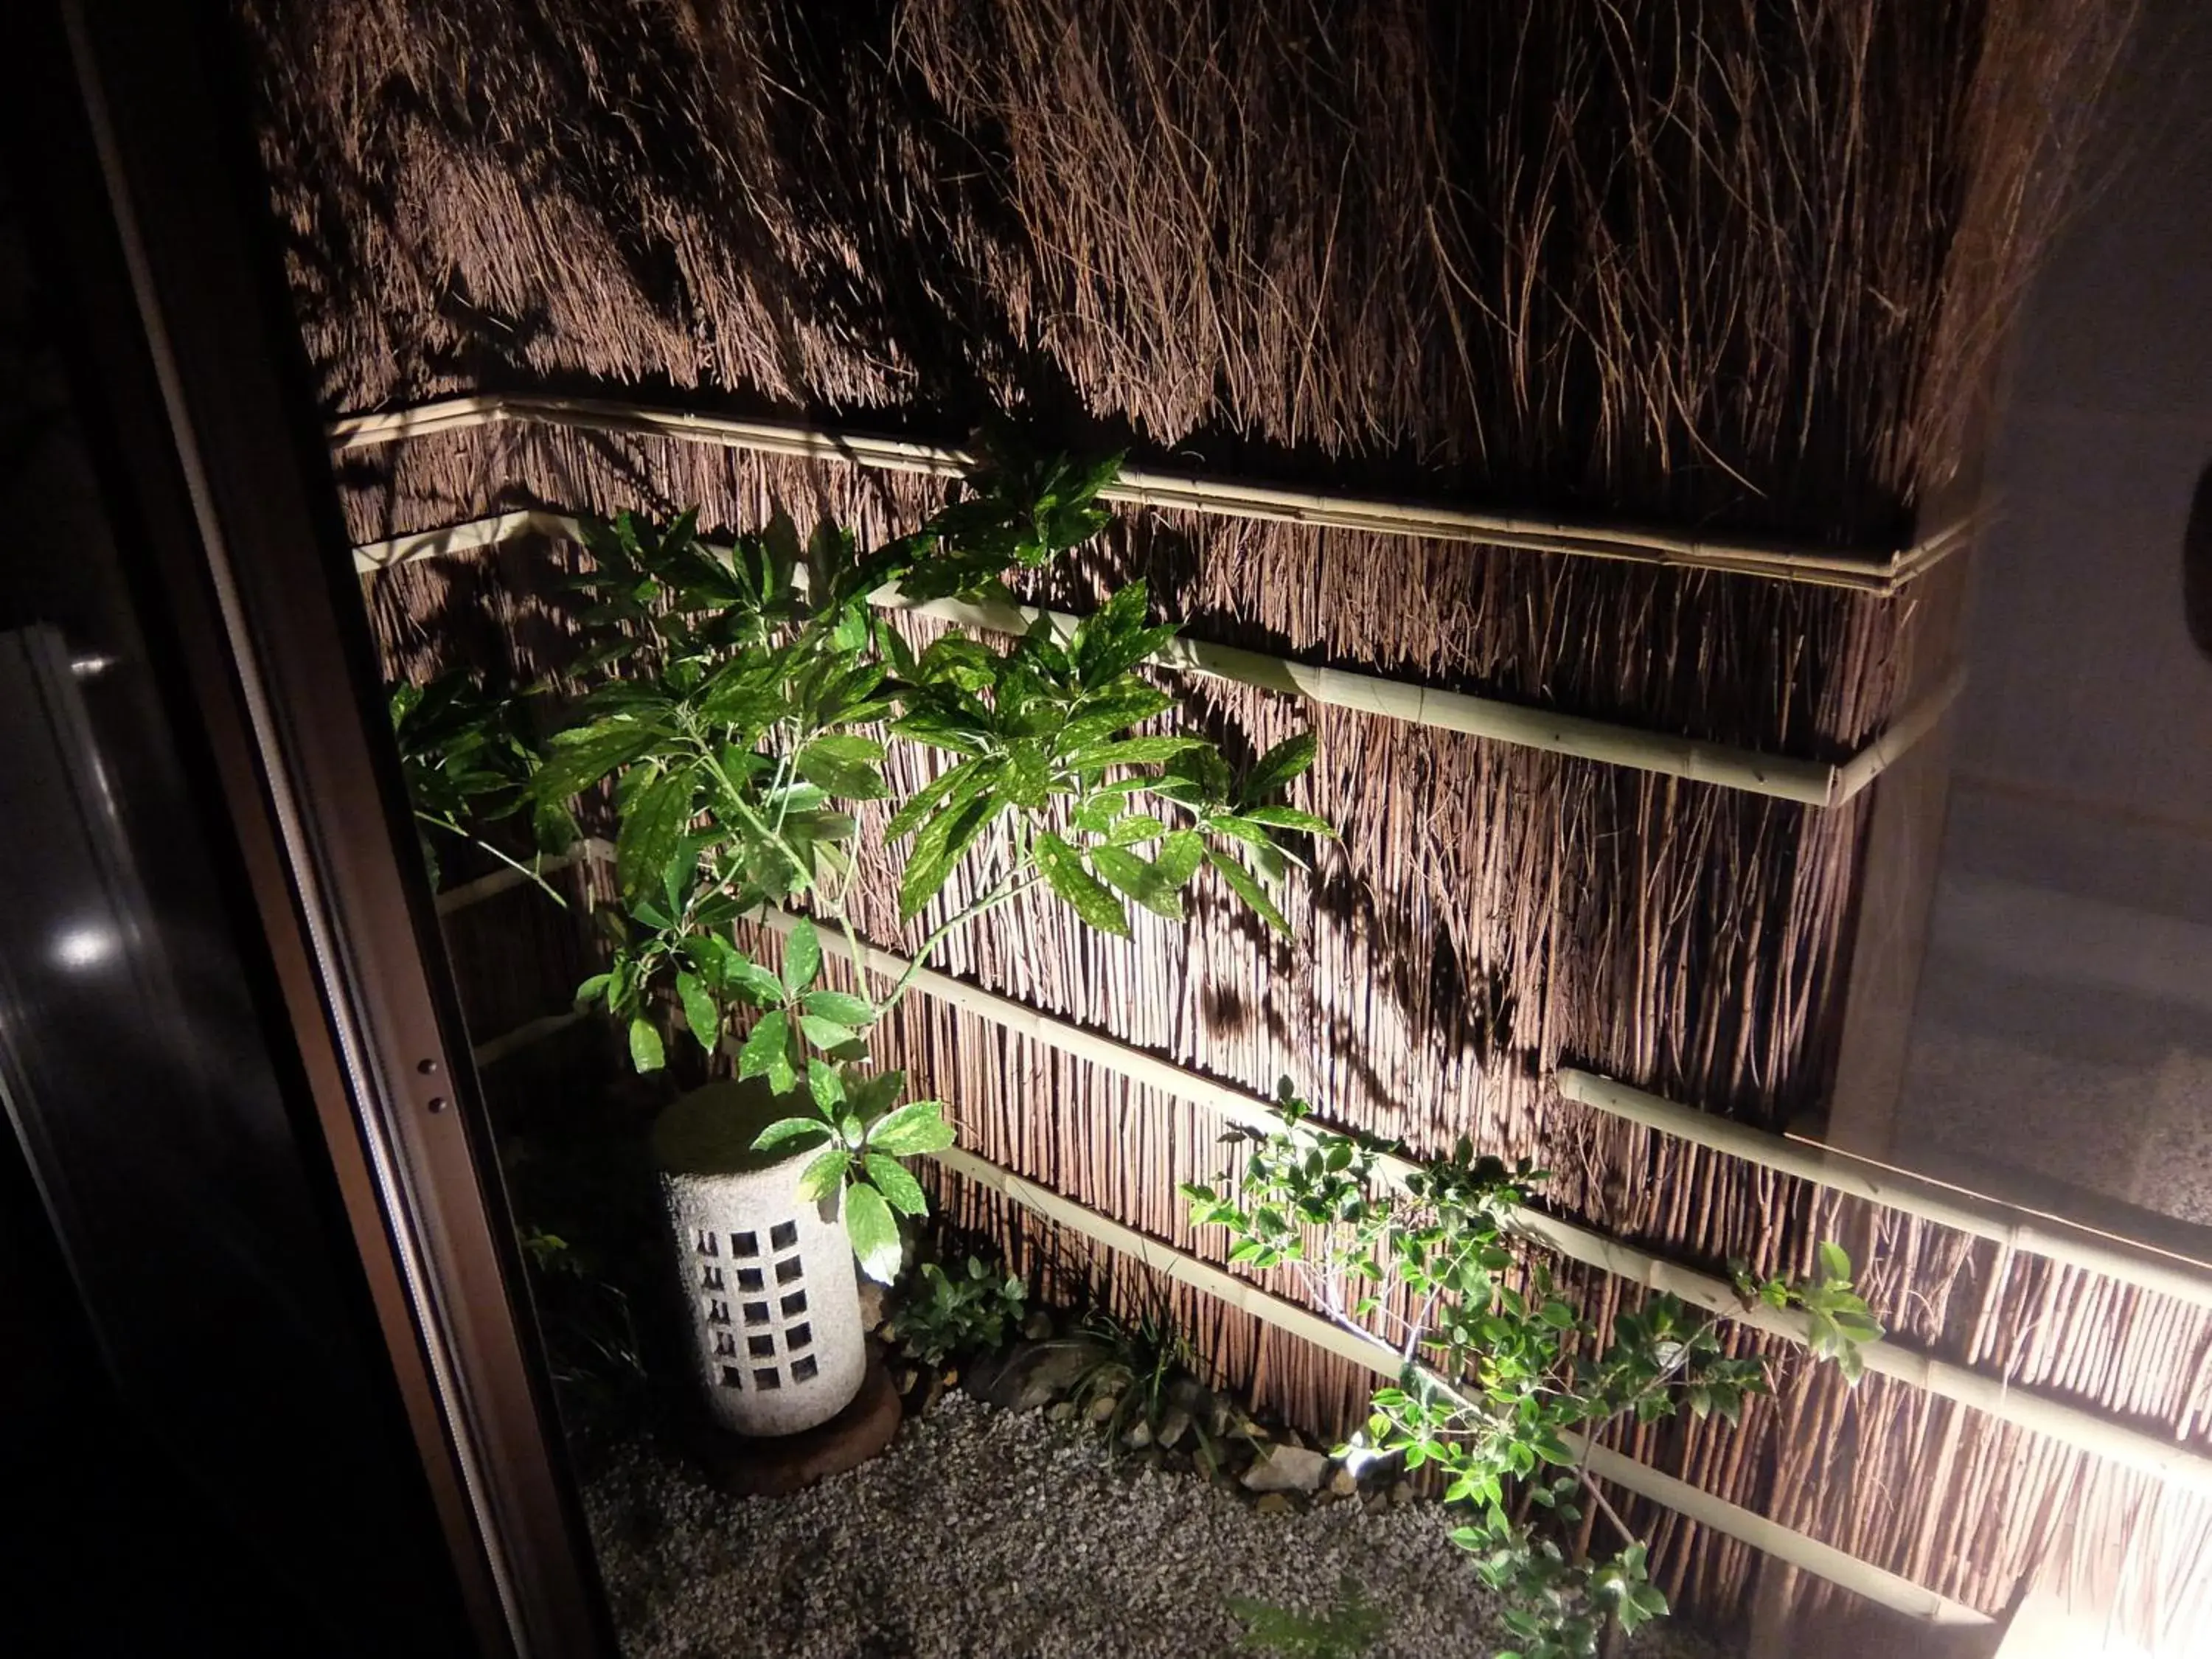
{"x": 745, "y": 700}
{"x": 1837, "y": 1320}
{"x": 1495, "y": 1371}
{"x": 466, "y": 766}
{"x": 1350, "y": 1627}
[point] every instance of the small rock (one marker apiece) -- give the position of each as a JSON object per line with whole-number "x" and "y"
{"x": 906, "y": 1378}
{"x": 1275, "y": 1502}
{"x": 924, "y": 1395}
{"x": 1402, "y": 1494}
{"x": 1344, "y": 1483}
{"x": 1060, "y": 1411}
{"x": 1286, "y": 1468}
{"x": 1138, "y": 1436}
{"x": 1376, "y": 1501}
{"x": 872, "y": 1305}
{"x": 1037, "y": 1327}
{"x": 1175, "y": 1423}
{"x": 1033, "y": 1374}
{"x": 1220, "y": 1417}
{"x": 1103, "y": 1407}
{"x": 1289, "y": 1437}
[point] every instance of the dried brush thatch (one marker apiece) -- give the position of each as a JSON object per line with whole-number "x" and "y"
{"x": 1715, "y": 258}
{"x": 1739, "y": 261}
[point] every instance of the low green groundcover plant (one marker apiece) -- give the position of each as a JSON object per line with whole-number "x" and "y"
{"x": 1496, "y": 1373}
{"x": 968, "y": 1309}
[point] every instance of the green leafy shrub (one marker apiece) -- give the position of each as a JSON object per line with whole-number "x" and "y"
{"x": 743, "y": 704}
{"x": 1496, "y": 1372}
{"x": 968, "y": 1310}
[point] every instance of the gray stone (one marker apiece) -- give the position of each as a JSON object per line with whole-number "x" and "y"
{"x": 1175, "y": 1423}
{"x": 1037, "y": 1327}
{"x": 1344, "y": 1483}
{"x": 1103, "y": 1407}
{"x": 1286, "y": 1468}
{"x": 1060, "y": 1411}
{"x": 1402, "y": 1494}
{"x": 1275, "y": 1502}
{"x": 1033, "y": 1374}
{"x": 1138, "y": 1435}
{"x": 872, "y": 1305}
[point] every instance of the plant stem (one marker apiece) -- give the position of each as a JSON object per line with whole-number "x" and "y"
{"x": 519, "y": 868}
{"x": 1589, "y": 1485}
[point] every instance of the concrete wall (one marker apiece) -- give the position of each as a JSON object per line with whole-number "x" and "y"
{"x": 2064, "y": 1018}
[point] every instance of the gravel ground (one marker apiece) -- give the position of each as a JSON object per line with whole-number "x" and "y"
{"x": 985, "y": 1533}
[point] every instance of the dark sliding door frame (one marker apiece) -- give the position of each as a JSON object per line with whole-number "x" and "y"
{"x": 148, "y": 195}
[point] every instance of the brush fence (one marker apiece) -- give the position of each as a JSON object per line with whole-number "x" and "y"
{"x": 1497, "y": 912}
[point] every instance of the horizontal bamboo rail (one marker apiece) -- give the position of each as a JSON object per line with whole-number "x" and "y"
{"x": 1812, "y": 783}
{"x": 1825, "y": 1561}
{"x": 2032, "y": 1232}
{"x": 492, "y": 1050}
{"x": 1886, "y": 572}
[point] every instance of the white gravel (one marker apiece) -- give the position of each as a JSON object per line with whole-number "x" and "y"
{"x": 986, "y": 1533}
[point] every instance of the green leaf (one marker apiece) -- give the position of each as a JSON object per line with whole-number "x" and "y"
{"x": 1132, "y": 751}
{"x": 594, "y": 987}
{"x": 1288, "y": 817}
{"x": 917, "y": 1127}
{"x": 645, "y": 1054}
{"x": 897, "y": 1184}
{"x": 874, "y": 1233}
{"x": 764, "y": 1045}
{"x": 653, "y": 821}
{"x": 1135, "y": 876}
{"x": 938, "y": 848}
{"x": 1275, "y": 768}
{"x": 839, "y": 1007}
{"x": 1178, "y": 859}
{"x": 1028, "y": 776}
{"x": 589, "y": 755}
{"x": 1134, "y": 830}
{"x": 1247, "y": 887}
{"x": 870, "y": 1096}
{"x": 785, "y": 1130}
{"x": 918, "y": 805}
{"x": 755, "y": 981}
{"x": 802, "y": 957}
{"x": 843, "y": 764}
{"x": 1064, "y": 873}
{"x": 824, "y": 1084}
{"x": 699, "y": 1010}
{"x": 820, "y": 1178}
{"x": 1834, "y": 1264}
{"x": 826, "y": 1033}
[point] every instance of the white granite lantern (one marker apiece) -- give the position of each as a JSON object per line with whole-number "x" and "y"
{"x": 771, "y": 1279}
